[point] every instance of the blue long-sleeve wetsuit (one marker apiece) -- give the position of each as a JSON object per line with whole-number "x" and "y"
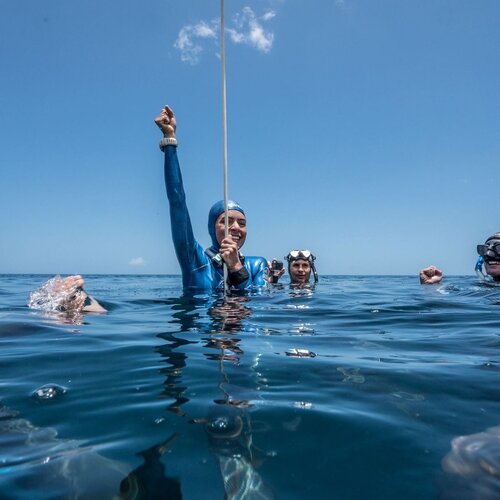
{"x": 198, "y": 269}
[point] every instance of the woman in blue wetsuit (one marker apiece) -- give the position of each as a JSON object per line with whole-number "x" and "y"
{"x": 203, "y": 269}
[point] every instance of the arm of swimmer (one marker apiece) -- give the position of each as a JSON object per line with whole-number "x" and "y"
{"x": 182, "y": 231}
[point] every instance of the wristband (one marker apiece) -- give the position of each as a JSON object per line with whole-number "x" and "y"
{"x": 168, "y": 141}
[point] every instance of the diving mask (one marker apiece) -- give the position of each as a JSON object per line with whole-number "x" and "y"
{"x": 490, "y": 250}
{"x": 300, "y": 254}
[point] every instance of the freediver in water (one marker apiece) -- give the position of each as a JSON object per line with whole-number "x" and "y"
{"x": 203, "y": 269}
{"x": 487, "y": 265}
{"x": 300, "y": 267}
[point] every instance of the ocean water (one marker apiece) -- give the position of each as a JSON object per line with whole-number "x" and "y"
{"x": 365, "y": 387}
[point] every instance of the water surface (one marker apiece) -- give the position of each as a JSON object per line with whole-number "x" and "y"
{"x": 366, "y": 387}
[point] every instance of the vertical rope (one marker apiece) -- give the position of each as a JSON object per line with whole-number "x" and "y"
{"x": 224, "y": 127}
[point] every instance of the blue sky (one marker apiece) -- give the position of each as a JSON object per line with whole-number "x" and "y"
{"x": 367, "y": 131}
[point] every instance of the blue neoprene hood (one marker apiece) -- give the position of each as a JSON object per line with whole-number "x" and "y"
{"x": 215, "y": 211}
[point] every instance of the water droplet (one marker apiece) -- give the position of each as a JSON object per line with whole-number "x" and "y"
{"x": 49, "y": 392}
{"x": 225, "y": 427}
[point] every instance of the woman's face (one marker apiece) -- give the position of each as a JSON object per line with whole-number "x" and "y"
{"x": 237, "y": 227}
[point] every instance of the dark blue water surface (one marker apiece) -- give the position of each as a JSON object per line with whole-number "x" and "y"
{"x": 367, "y": 387}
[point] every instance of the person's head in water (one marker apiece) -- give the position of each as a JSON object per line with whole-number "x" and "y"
{"x": 489, "y": 254}
{"x": 300, "y": 266}
{"x": 237, "y": 223}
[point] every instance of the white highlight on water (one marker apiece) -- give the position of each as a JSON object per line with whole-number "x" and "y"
{"x": 53, "y": 296}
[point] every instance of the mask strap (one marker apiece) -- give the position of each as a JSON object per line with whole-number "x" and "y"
{"x": 313, "y": 267}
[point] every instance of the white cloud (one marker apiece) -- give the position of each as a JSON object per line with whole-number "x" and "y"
{"x": 269, "y": 15}
{"x": 189, "y": 49}
{"x": 137, "y": 261}
{"x": 247, "y": 29}
{"x": 203, "y": 30}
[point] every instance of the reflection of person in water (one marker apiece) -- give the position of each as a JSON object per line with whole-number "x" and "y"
{"x": 226, "y": 316}
{"x": 185, "y": 318}
{"x": 228, "y": 313}
{"x": 229, "y": 426}
{"x": 227, "y": 422}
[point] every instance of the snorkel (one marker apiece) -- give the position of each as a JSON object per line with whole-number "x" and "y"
{"x": 303, "y": 255}
{"x": 479, "y": 270}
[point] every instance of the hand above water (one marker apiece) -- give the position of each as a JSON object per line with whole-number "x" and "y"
{"x": 273, "y": 274}
{"x": 69, "y": 290}
{"x": 166, "y": 121}
{"x": 229, "y": 251}
{"x": 74, "y": 297}
{"x": 430, "y": 275}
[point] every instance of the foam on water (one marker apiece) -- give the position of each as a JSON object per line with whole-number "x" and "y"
{"x": 52, "y": 296}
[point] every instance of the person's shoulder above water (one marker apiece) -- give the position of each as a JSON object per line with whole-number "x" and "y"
{"x": 487, "y": 265}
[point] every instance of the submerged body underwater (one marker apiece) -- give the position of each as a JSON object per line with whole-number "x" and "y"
{"x": 359, "y": 388}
